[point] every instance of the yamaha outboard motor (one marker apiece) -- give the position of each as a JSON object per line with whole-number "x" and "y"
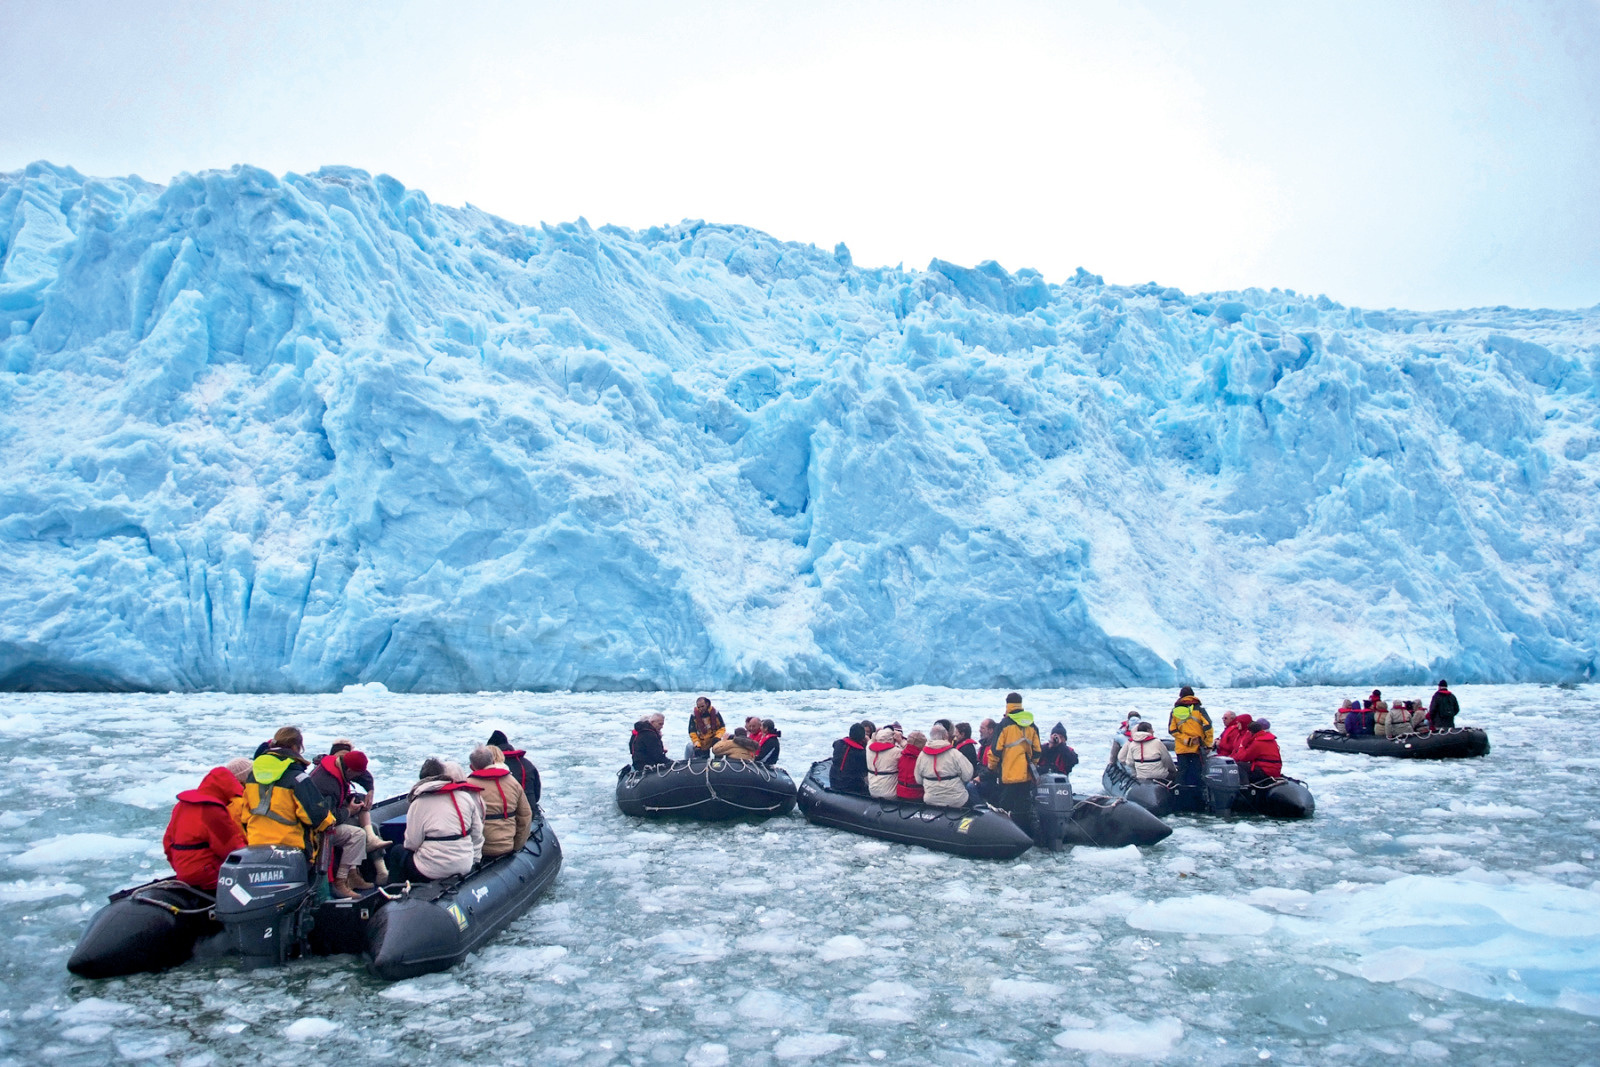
{"x": 1052, "y": 803}
{"x": 265, "y": 903}
{"x": 1222, "y": 783}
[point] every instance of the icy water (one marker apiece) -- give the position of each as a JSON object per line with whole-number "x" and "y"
{"x": 1441, "y": 912}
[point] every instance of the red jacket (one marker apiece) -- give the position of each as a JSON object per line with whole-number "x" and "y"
{"x": 908, "y": 788}
{"x": 203, "y": 831}
{"x": 1234, "y": 735}
{"x": 1260, "y": 750}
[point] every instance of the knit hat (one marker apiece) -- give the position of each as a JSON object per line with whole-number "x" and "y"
{"x": 355, "y": 762}
{"x": 1186, "y": 691}
{"x": 1013, "y": 701}
{"x": 1443, "y": 684}
{"x": 1059, "y": 728}
{"x": 499, "y": 740}
{"x": 1259, "y": 725}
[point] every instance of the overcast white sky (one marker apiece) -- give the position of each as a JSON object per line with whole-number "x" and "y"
{"x": 1424, "y": 155}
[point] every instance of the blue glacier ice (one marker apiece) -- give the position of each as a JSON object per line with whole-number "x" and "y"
{"x": 292, "y": 434}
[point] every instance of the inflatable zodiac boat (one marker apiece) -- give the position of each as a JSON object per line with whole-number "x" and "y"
{"x": 1457, "y": 743}
{"x": 266, "y": 912}
{"x": 711, "y": 789}
{"x": 1223, "y": 793}
{"x": 980, "y": 831}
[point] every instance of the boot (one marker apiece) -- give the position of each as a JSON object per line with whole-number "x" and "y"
{"x": 354, "y": 880}
{"x": 380, "y": 872}
{"x": 341, "y": 888}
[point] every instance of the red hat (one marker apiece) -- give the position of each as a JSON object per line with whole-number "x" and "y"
{"x": 354, "y": 762}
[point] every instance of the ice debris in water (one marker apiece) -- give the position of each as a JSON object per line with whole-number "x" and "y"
{"x": 67, "y": 849}
{"x": 316, "y": 431}
{"x": 1202, "y": 913}
{"x": 311, "y": 1028}
{"x": 1122, "y": 1035}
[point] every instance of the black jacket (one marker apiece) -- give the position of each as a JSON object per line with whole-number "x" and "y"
{"x": 849, "y": 771}
{"x": 1057, "y": 759}
{"x": 1443, "y": 709}
{"x": 769, "y": 751}
{"x": 523, "y": 770}
{"x": 645, "y": 746}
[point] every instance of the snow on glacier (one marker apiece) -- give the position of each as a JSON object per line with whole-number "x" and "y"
{"x": 294, "y": 434}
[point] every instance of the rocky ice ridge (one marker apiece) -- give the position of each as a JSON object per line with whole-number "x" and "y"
{"x": 293, "y": 434}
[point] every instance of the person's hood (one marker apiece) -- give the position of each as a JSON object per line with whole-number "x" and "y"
{"x": 219, "y": 786}
{"x": 499, "y": 740}
{"x": 1187, "y": 702}
{"x": 642, "y": 724}
{"x": 937, "y": 748}
{"x": 331, "y": 765}
{"x": 885, "y": 734}
{"x": 1020, "y": 717}
{"x": 499, "y": 770}
{"x": 1243, "y": 722}
{"x": 273, "y": 765}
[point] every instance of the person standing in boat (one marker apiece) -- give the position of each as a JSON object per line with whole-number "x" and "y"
{"x": 1124, "y": 734}
{"x": 203, "y": 829}
{"x": 849, "y": 770}
{"x": 1057, "y": 757}
{"x": 1443, "y": 708}
{"x": 706, "y": 727}
{"x": 645, "y": 746}
{"x": 1012, "y": 758}
{"x": 520, "y": 766}
{"x": 1190, "y": 728}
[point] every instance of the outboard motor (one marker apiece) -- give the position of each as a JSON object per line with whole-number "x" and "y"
{"x": 265, "y": 903}
{"x": 1222, "y": 783}
{"x": 1052, "y": 803}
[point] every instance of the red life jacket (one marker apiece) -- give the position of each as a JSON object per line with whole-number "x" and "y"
{"x": 494, "y": 774}
{"x": 875, "y": 748}
{"x": 452, "y": 789}
{"x": 907, "y": 788}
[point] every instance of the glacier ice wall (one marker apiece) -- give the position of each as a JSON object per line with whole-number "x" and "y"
{"x": 291, "y": 434}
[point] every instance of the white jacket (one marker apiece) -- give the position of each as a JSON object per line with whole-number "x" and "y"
{"x": 1147, "y": 757}
{"x": 1393, "y": 722}
{"x": 943, "y": 773}
{"x": 883, "y": 771}
{"x": 444, "y": 825}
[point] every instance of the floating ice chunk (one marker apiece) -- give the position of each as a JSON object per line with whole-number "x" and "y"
{"x": 93, "y": 1010}
{"x": 1123, "y": 1036}
{"x": 520, "y": 959}
{"x": 1127, "y": 856}
{"x": 39, "y": 889}
{"x": 747, "y": 886}
{"x": 1428, "y": 1050}
{"x": 763, "y": 1007}
{"x": 1391, "y": 965}
{"x": 1022, "y": 989}
{"x": 78, "y": 848}
{"x": 1291, "y": 901}
{"x": 842, "y": 947}
{"x": 887, "y": 1002}
{"x": 695, "y": 944}
{"x": 1494, "y": 811}
{"x": 311, "y": 1028}
{"x": 1203, "y": 913}
{"x": 707, "y": 1055}
{"x": 429, "y": 989}
{"x": 157, "y": 795}
{"x": 24, "y": 724}
{"x": 373, "y": 688}
{"x": 807, "y": 1046}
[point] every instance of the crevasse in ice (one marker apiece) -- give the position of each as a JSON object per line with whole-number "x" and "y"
{"x": 293, "y": 434}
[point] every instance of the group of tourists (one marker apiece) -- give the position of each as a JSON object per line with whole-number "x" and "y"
{"x": 1246, "y": 740}
{"x": 456, "y": 818}
{"x": 757, "y": 739}
{"x": 1375, "y": 716}
{"x": 947, "y": 767}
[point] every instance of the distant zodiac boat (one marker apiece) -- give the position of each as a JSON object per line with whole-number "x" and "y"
{"x": 1461, "y": 742}
{"x": 1223, "y": 793}
{"x": 711, "y": 789}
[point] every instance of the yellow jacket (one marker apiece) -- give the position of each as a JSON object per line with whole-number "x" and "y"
{"x": 1189, "y": 726}
{"x": 281, "y": 805}
{"x": 1015, "y": 749}
{"x": 706, "y": 730}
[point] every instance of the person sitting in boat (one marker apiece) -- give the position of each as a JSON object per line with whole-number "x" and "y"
{"x": 1190, "y": 728}
{"x": 1419, "y": 717}
{"x": 444, "y": 823}
{"x": 1230, "y": 733}
{"x": 282, "y": 805}
{"x": 906, "y": 785}
{"x": 520, "y": 766}
{"x": 1259, "y": 754}
{"x": 739, "y": 746}
{"x": 346, "y": 841}
{"x": 645, "y": 746}
{"x": 507, "y": 816}
{"x": 1393, "y": 720}
{"x": 1443, "y": 708}
{"x": 1057, "y": 757}
{"x": 1340, "y": 719}
{"x": 883, "y": 764}
{"x": 943, "y": 771}
{"x": 1146, "y": 757}
{"x": 769, "y": 743}
{"x": 706, "y": 727}
{"x": 962, "y": 739}
{"x": 1124, "y": 734}
{"x": 203, "y": 829}
{"x": 849, "y": 771}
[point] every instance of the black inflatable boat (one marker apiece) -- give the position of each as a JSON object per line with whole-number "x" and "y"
{"x": 1093, "y": 821}
{"x": 1223, "y": 793}
{"x": 266, "y": 912}
{"x": 1462, "y": 742}
{"x": 978, "y": 832}
{"x": 711, "y": 789}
